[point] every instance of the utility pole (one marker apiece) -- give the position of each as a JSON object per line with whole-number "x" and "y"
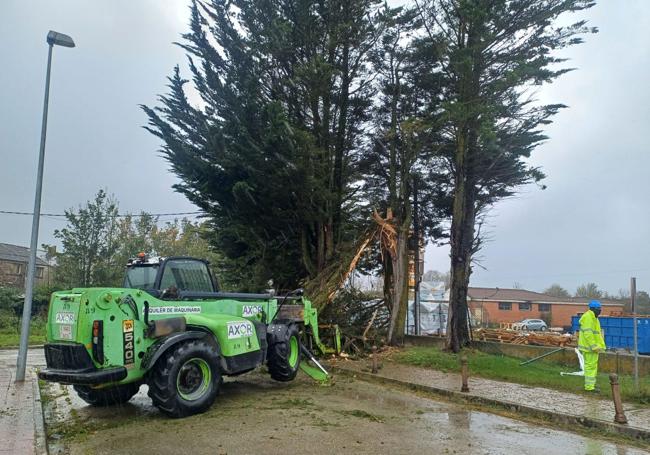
{"x": 60, "y": 40}
{"x": 416, "y": 232}
{"x": 635, "y": 333}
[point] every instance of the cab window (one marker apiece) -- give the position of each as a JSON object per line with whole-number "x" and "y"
{"x": 186, "y": 275}
{"x": 141, "y": 277}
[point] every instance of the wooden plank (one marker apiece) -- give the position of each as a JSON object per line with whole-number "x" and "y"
{"x": 295, "y": 312}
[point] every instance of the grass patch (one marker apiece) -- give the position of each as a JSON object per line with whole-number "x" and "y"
{"x": 10, "y": 337}
{"x": 502, "y": 368}
{"x": 10, "y": 325}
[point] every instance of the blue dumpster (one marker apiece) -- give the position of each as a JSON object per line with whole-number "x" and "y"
{"x": 619, "y": 332}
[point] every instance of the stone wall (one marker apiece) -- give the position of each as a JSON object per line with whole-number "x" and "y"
{"x": 13, "y": 274}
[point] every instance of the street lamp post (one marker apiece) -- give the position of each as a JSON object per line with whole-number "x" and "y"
{"x": 60, "y": 40}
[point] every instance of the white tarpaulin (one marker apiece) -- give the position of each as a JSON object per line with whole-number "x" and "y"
{"x": 433, "y": 318}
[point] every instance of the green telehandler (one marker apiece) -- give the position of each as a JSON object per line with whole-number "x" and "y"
{"x": 170, "y": 327}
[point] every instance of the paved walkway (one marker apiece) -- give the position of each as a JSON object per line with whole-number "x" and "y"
{"x": 559, "y": 406}
{"x": 21, "y": 416}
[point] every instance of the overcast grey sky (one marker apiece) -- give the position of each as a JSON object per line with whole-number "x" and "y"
{"x": 95, "y": 139}
{"x": 591, "y": 224}
{"x": 593, "y": 220}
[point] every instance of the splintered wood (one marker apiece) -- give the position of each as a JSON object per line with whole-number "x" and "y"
{"x": 387, "y": 232}
{"x": 520, "y": 337}
{"x": 324, "y": 287}
{"x": 353, "y": 265}
{"x": 329, "y": 282}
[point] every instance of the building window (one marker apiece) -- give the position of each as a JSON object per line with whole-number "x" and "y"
{"x": 544, "y": 307}
{"x": 505, "y": 306}
{"x": 39, "y": 272}
{"x": 18, "y": 268}
{"x": 526, "y": 306}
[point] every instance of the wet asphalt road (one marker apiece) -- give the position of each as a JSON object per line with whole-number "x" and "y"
{"x": 254, "y": 414}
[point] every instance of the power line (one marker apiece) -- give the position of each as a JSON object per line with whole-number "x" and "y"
{"x": 8, "y": 212}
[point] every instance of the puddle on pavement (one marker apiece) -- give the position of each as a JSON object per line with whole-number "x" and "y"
{"x": 254, "y": 414}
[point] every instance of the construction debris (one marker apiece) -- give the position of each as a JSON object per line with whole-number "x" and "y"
{"x": 521, "y": 337}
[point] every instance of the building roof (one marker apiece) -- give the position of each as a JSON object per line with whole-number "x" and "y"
{"x": 17, "y": 253}
{"x": 522, "y": 295}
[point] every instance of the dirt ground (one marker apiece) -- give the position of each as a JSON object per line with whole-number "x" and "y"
{"x": 254, "y": 414}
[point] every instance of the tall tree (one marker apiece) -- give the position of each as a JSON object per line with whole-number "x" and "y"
{"x": 392, "y": 167}
{"x": 133, "y": 236}
{"x": 555, "y": 290}
{"x": 494, "y": 51}
{"x": 589, "y": 291}
{"x": 89, "y": 244}
{"x": 97, "y": 243}
{"x": 269, "y": 150}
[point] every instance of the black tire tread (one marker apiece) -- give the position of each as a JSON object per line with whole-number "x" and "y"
{"x": 278, "y": 358}
{"x": 164, "y": 395}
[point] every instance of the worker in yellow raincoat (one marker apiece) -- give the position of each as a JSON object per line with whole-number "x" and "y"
{"x": 590, "y": 343}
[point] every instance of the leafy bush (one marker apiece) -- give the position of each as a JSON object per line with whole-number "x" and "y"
{"x": 11, "y": 299}
{"x": 8, "y": 320}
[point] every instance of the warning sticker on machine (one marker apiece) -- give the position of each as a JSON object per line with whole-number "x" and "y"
{"x": 251, "y": 310}
{"x": 65, "y": 332}
{"x": 239, "y": 329}
{"x": 127, "y": 325}
{"x": 127, "y": 332}
{"x": 174, "y": 309}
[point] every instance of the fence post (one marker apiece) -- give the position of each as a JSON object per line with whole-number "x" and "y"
{"x": 616, "y": 394}
{"x": 464, "y": 373}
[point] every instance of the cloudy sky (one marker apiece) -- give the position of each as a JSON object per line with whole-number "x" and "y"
{"x": 591, "y": 224}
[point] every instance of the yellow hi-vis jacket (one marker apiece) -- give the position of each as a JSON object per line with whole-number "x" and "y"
{"x": 590, "y": 338}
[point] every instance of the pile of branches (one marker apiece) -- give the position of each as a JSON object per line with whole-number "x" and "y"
{"x": 362, "y": 318}
{"x": 323, "y": 289}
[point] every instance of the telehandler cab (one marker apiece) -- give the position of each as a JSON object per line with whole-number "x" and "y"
{"x": 171, "y": 328}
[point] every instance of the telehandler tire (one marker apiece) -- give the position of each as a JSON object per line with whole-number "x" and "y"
{"x": 284, "y": 356}
{"x": 185, "y": 380}
{"x": 107, "y": 396}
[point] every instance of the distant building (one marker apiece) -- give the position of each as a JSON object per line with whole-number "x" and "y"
{"x": 495, "y": 305}
{"x": 13, "y": 266}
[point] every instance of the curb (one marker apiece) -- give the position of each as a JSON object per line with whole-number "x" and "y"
{"x": 638, "y": 434}
{"x": 13, "y": 348}
{"x": 40, "y": 437}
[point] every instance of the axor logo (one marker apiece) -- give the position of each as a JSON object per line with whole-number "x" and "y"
{"x": 251, "y": 310}
{"x": 239, "y": 329}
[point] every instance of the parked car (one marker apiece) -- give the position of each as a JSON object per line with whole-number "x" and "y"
{"x": 533, "y": 324}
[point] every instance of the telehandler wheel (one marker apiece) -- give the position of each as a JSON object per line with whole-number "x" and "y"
{"x": 186, "y": 379}
{"x": 107, "y": 396}
{"x": 284, "y": 356}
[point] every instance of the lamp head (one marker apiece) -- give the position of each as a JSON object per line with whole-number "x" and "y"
{"x": 59, "y": 39}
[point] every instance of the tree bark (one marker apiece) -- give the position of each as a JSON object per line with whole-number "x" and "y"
{"x": 465, "y": 170}
{"x": 340, "y": 148}
{"x": 462, "y": 240}
{"x": 400, "y": 286}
